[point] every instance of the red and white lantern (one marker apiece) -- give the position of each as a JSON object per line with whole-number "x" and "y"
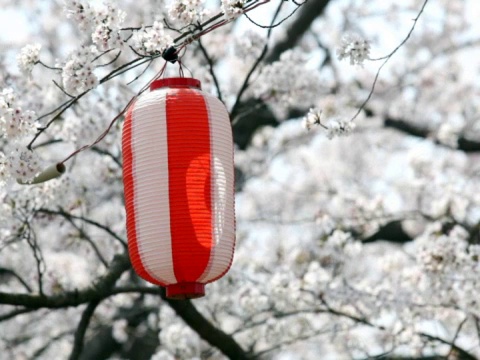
{"x": 179, "y": 187}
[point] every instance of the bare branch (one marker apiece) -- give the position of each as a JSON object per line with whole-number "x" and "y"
{"x": 9, "y": 272}
{"x": 387, "y": 58}
{"x": 210, "y": 68}
{"x": 69, "y": 216}
{"x": 306, "y": 16}
{"x": 464, "y": 144}
{"x": 246, "y": 81}
{"x": 14, "y": 313}
{"x": 100, "y": 290}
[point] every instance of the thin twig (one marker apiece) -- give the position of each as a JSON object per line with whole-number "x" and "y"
{"x": 142, "y": 73}
{"x": 5, "y": 271}
{"x": 455, "y": 337}
{"x": 68, "y": 216}
{"x": 386, "y": 59}
{"x": 14, "y": 313}
{"x": 277, "y": 24}
{"x": 62, "y": 89}
{"x": 111, "y": 61}
{"x": 31, "y": 239}
{"x": 210, "y": 68}
{"x": 88, "y": 239}
{"x": 262, "y": 55}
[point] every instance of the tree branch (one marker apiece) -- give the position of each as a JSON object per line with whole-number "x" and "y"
{"x": 306, "y": 15}
{"x": 4, "y": 272}
{"x": 69, "y": 217}
{"x": 97, "y": 291}
{"x": 461, "y": 353}
{"x": 392, "y": 231}
{"x": 464, "y": 144}
{"x": 258, "y": 112}
{"x": 211, "y": 64}
{"x": 214, "y": 336}
{"x": 82, "y": 329}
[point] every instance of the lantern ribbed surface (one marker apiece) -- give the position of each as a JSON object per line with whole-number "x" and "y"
{"x": 179, "y": 187}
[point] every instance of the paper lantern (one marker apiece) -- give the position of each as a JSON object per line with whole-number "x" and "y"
{"x": 179, "y": 187}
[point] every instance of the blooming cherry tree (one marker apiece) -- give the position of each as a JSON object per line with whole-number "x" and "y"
{"x": 357, "y": 233}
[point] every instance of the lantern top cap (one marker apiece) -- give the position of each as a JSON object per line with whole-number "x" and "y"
{"x": 177, "y": 82}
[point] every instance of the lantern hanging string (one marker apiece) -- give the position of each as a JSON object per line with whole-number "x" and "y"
{"x": 169, "y": 55}
{"x": 120, "y": 114}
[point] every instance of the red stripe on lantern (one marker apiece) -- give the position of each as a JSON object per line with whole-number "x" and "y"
{"x": 189, "y": 184}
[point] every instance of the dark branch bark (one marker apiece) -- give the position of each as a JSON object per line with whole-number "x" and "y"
{"x": 214, "y": 336}
{"x": 102, "y": 345}
{"x": 409, "y": 358}
{"x": 468, "y": 145}
{"x": 251, "y": 114}
{"x": 464, "y": 144}
{"x": 405, "y": 127}
{"x": 104, "y": 288}
{"x": 7, "y": 273}
{"x": 306, "y": 15}
{"x": 98, "y": 291}
{"x": 457, "y": 352}
{"x": 82, "y": 329}
{"x": 391, "y": 231}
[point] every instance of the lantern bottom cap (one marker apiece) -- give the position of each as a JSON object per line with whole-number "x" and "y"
{"x": 185, "y": 290}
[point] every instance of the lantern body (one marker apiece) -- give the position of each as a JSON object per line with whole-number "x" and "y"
{"x": 178, "y": 179}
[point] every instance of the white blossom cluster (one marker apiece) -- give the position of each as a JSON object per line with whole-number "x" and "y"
{"x": 78, "y": 72}
{"x": 15, "y": 125}
{"x": 162, "y": 355}
{"x": 339, "y": 127}
{"x": 249, "y": 45}
{"x": 66, "y": 271}
{"x": 449, "y": 267}
{"x": 151, "y": 40}
{"x": 23, "y": 164}
{"x": 439, "y": 252}
{"x": 232, "y": 8}
{"x": 287, "y": 83}
{"x": 178, "y": 338}
{"x": 253, "y": 300}
{"x": 103, "y": 23}
{"x": 448, "y": 134}
{"x": 81, "y": 130}
{"x": 28, "y": 57}
{"x": 313, "y": 118}
{"x": 446, "y": 196}
{"x": 187, "y": 11}
{"x": 354, "y": 48}
{"x": 107, "y": 23}
{"x": 80, "y": 12}
{"x": 120, "y": 330}
{"x": 4, "y": 171}
{"x": 334, "y": 127}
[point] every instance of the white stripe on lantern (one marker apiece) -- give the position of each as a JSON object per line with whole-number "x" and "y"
{"x": 223, "y": 221}
{"x": 151, "y": 186}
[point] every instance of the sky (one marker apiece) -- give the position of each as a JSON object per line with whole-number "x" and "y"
{"x": 13, "y": 26}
